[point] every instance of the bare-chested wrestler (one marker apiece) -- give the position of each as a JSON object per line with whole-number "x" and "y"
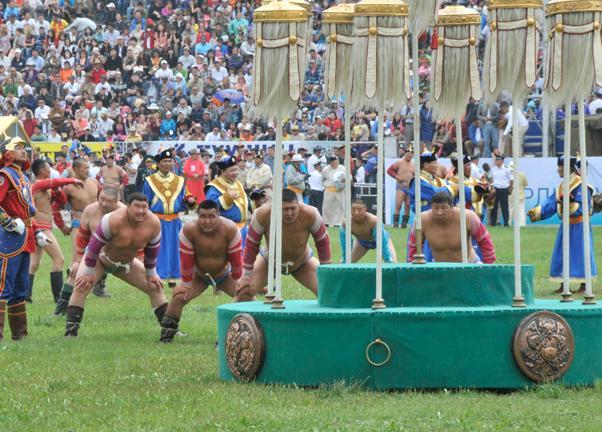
{"x": 210, "y": 255}
{"x": 113, "y": 249}
{"x": 78, "y": 198}
{"x": 298, "y": 222}
{"x": 47, "y": 191}
{"x": 363, "y": 228}
{"x": 402, "y": 171}
{"x": 112, "y": 175}
{"x": 108, "y": 201}
{"x": 441, "y": 228}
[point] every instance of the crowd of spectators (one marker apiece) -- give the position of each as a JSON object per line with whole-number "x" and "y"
{"x": 133, "y": 70}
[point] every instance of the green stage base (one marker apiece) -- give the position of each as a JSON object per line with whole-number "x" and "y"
{"x": 431, "y": 347}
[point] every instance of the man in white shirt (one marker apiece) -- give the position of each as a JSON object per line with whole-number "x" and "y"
{"x": 41, "y": 23}
{"x": 72, "y": 87}
{"x": 475, "y": 171}
{"x": 260, "y": 175}
{"x": 502, "y": 182}
{"x": 218, "y": 73}
{"x": 596, "y": 104}
{"x": 105, "y": 124}
{"x": 523, "y": 125}
{"x": 214, "y": 135}
{"x": 111, "y": 35}
{"x": 314, "y": 159}
{"x": 316, "y": 185}
{"x": 187, "y": 59}
{"x": 164, "y": 71}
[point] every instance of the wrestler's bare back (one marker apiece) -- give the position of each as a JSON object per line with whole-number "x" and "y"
{"x": 211, "y": 248}
{"x": 445, "y": 240}
{"x": 43, "y": 203}
{"x": 296, "y": 234}
{"x": 129, "y": 236}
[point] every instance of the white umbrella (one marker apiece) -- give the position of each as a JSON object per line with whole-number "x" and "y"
{"x": 81, "y": 24}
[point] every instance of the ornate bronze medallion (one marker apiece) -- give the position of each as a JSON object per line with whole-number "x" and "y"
{"x": 543, "y": 346}
{"x": 245, "y": 347}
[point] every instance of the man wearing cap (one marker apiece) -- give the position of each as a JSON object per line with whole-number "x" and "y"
{"x": 316, "y": 157}
{"x": 229, "y": 194}
{"x": 194, "y": 172}
{"x": 167, "y": 196}
{"x": 554, "y": 205}
{"x": 295, "y": 176}
{"x": 595, "y": 107}
{"x": 333, "y": 207}
{"x": 259, "y": 176}
{"x": 18, "y": 236}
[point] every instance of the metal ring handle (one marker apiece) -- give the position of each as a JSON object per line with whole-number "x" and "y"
{"x": 378, "y": 342}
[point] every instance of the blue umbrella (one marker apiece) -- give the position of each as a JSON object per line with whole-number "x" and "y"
{"x": 234, "y": 96}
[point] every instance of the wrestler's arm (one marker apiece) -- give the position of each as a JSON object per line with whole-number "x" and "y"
{"x": 478, "y": 232}
{"x": 58, "y": 203}
{"x": 151, "y": 251}
{"x": 235, "y": 253}
{"x": 124, "y": 177}
{"x": 83, "y": 236}
{"x": 100, "y": 237}
{"x": 254, "y": 235}
{"x": 186, "y": 257}
{"x": 42, "y": 185}
{"x": 321, "y": 239}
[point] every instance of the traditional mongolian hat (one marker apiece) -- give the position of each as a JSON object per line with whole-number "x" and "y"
{"x": 226, "y": 163}
{"x": 165, "y": 154}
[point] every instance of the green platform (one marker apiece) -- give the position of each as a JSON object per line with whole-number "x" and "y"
{"x": 462, "y": 346}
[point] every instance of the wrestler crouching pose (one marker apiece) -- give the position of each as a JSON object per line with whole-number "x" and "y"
{"x": 298, "y": 222}
{"x": 210, "y": 255}
{"x": 113, "y": 249}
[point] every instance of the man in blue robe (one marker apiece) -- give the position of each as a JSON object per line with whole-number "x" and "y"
{"x": 230, "y": 196}
{"x": 553, "y": 205}
{"x": 430, "y": 184}
{"x": 167, "y": 196}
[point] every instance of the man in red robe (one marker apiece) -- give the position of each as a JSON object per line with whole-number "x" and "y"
{"x": 194, "y": 171}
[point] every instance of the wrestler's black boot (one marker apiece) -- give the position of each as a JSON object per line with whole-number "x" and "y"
{"x": 28, "y": 296}
{"x": 169, "y": 329}
{"x": 581, "y": 289}
{"x": 160, "y": 312}
{"x": 404, "y": 221}
{"x": 559, "y": 290}
{"x": 63, "y": 301}
{"x": 396, "y": 220}
{"x": 56, "y": 283}
{"x": 100, "y": 288}
{"x": 74, "y": 319}
{"x": 17, "y": 320}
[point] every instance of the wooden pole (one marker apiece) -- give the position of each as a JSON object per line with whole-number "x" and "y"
{"x": 276, "y": 220}
{"x": 348, "y": 184}
{"x": 378, "y": 302}
{"x": 566, "y": 173}
{"x": 587, "y": 248}
{"x": 518, "y": 300}
{"x": 462, "y": 204}
{"x": 418, "y": 256}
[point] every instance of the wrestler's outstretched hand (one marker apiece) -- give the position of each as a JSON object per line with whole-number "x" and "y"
{"x": 244, "y": 289}
{"x": 84, "y": 282}
{"x": 78, "y": 183}
{"x": 154, "y": 281}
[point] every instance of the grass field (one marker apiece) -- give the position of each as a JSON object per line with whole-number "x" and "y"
{"x": 117, "y": 377}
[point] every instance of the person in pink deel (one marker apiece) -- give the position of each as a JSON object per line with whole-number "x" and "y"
{"x": 194, "y": 171}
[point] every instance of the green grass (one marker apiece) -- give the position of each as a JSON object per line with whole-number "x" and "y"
{"x": 117, "y": 377}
